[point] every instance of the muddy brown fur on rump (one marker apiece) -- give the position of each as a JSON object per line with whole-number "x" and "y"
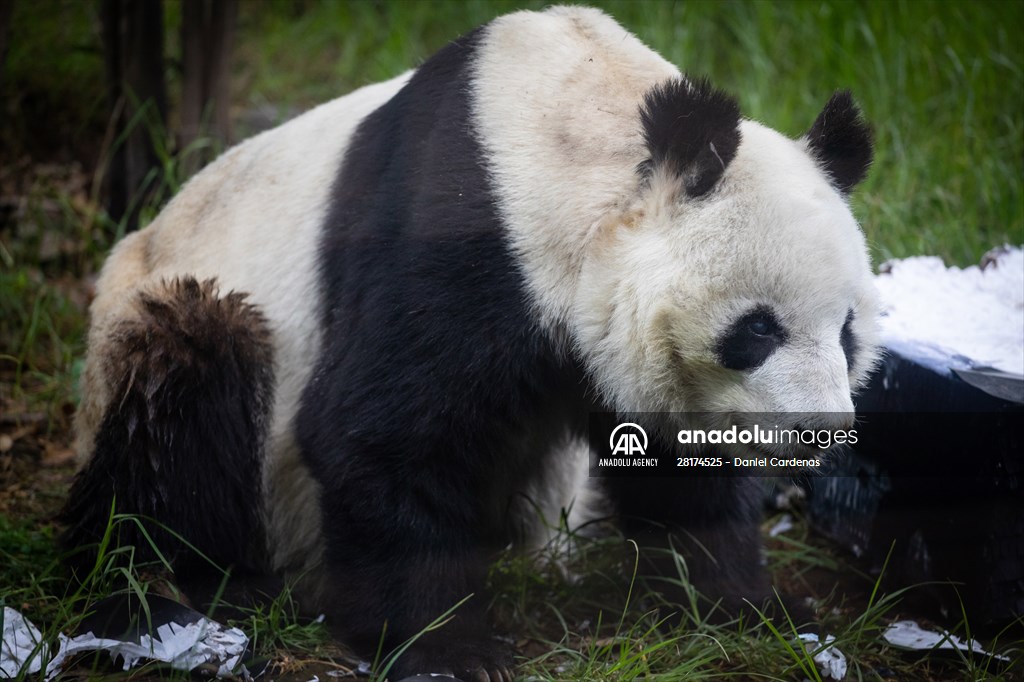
{"x": 181, "y": 439}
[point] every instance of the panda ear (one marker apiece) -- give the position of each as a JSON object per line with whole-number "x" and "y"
{"x": 691, "y": 130}
{"x": 840, "y": 140}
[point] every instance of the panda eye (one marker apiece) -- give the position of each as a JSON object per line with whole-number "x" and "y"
{"x": 759, "y": 326}
{"x": 750, "y": 339}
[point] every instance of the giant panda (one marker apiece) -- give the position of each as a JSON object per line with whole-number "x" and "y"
{"x": 347, "y": 347}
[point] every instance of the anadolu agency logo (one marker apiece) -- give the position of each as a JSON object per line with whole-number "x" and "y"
{"x": 628, "y": 439}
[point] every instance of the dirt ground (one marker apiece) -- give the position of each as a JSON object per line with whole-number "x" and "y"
{"x": 36, "y": 459}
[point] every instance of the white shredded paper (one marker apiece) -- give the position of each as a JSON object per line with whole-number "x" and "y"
{"x": 953, "y": 318}
{"x": 22, "y": 644}
{"x": 183, "y": 647}
{"x": 831, "y": 661}
{"x": 907, "y": 634}
{"x": 783, "y": 525}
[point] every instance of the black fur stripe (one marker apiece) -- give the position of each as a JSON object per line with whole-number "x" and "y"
{"x": 181, "y": 441}
{"x": 433, "y": 372}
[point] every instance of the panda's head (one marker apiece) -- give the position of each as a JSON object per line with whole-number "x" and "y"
{"x": 736, "y": 280}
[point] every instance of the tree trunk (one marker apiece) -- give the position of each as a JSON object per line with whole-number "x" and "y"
{"x": 6, "y": 14}
{"x": 133, "y": 41}
{"x": 207, "y": 37}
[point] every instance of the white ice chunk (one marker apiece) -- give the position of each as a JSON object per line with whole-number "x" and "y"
{"x": 953, "y": 318}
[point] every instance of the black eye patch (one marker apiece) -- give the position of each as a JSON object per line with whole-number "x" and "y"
{"x": 748, "y": 341}
{"x": 847, "y": 340}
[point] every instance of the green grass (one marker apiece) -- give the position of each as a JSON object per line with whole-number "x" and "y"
{"x": 576, "y": 608}
{"x": 277, "y": 627}
{"x": 588, "y": 620}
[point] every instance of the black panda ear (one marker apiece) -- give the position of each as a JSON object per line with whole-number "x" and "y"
{"x": 690, "y": 129}
{"x": 840, "y": 140}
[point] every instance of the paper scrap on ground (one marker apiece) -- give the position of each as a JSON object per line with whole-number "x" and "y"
{"x": 183, "y": 647}
{"x": 907, "y": 634}
{"x": 783, "y": 525}
{"x": 953, "y": 318}
{"x": 831, "y": 661}
{"x": 22, "y": 644}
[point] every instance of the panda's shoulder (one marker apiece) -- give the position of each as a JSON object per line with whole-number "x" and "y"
{"x": 555, "y": 26}
{"x": 567, "y": 33}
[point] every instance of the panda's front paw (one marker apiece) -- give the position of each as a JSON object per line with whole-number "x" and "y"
{"x": 467, "y": 661}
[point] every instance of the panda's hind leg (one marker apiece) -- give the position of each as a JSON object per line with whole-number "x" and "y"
{"x": 188, "y": 378}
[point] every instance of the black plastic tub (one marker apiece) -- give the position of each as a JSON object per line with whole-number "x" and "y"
{"x": 936, "y": 484}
